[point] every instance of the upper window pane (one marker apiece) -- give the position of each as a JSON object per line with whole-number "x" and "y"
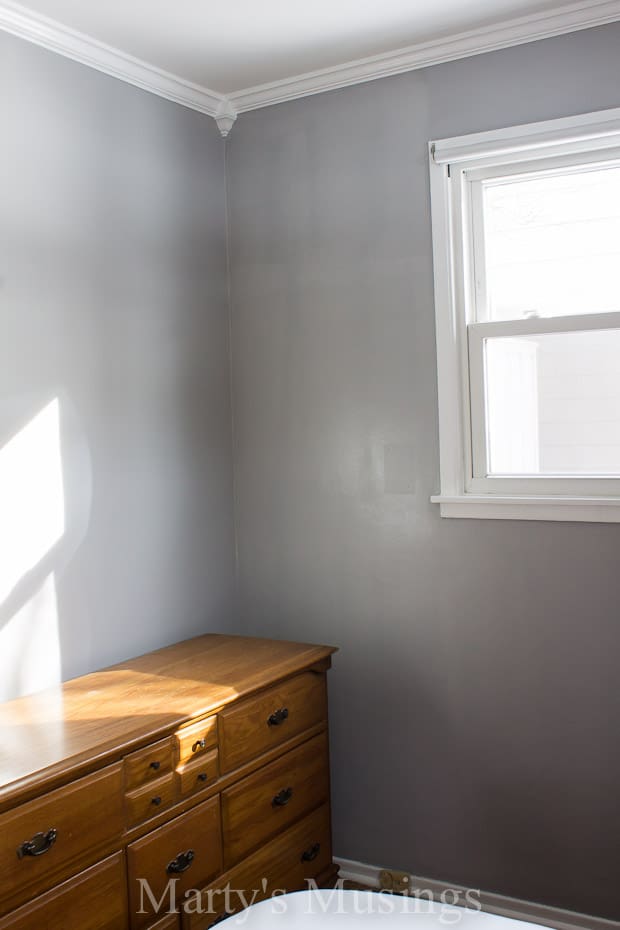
{"x": 552, "y": 244}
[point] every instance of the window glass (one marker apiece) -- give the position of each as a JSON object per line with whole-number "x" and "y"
{"x": 552, "y": 244}
{"x": 553, "y": 403}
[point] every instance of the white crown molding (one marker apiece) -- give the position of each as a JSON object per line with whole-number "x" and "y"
{"x": 555, "y": 917}
{"x": 20, "y": 21}
{"x": 55, "y": 37}
{"x": 564, "y": 19}
{"x": 225, "y": 116}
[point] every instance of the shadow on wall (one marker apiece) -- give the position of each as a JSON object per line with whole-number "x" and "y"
{"x": 35, "y": 543}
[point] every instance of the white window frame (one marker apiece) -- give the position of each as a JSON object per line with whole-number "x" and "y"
{"x": 457, "y": 167}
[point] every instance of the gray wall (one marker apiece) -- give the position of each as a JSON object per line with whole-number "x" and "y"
{"x": 474, "y": 701}
{"x": 113, "y": 299}
{"x": 475, "y": 712}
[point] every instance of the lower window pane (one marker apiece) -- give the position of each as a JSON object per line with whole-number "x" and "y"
{"x": 553, "y": 404}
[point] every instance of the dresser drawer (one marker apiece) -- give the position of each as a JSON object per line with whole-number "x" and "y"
{"x": 149, "y": 801}
{"x": 94, "y": 900}
{"x": 301, "y": 853}
{"x": 147, "y": 764}
{"x": 197, "y": 774}
{"x": 308, "y": 852}
{"x": 197, "y": 738}
{"x": 67, "y": 830}
{"x": 258, "y": 724}
{"x": 265, "y": 803}
{"x": 188, "y": 848}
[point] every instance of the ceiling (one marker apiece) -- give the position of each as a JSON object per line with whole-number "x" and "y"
{"x": 231, "y": 45}
{"x": 224, "y": 57}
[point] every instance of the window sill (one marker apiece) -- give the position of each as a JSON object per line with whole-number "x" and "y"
{"x": 567, "y": 509}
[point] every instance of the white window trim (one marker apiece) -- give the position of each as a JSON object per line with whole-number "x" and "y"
{"x": 449, "y": 158}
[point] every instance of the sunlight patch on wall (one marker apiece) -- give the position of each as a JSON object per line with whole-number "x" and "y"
{"x": 32, "y": 506}
{"x": 32, "y": 521}
{"x": 30, "y": 645}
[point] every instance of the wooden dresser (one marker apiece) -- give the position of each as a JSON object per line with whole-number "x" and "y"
{"x": 195, "y": 777}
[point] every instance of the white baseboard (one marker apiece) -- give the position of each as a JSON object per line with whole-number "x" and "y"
{"x": 553, "y": 917}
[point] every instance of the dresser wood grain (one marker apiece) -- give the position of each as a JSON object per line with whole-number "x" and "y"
{"x": 176, "y": 771}
{"x": 93, "y": 900}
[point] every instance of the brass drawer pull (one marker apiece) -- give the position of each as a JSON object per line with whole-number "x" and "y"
{"x": 282, "y": 798}
{"x": 38, "y": 845}
{"x": 311, "y": 853}
{"x": 155, "y": 765}
{"x": 156, "y": 801}
{"x": 181, "y": 863}
{"x": 202, "y": 777}
{"x": 278, "y": 717}
{"x": 199, "y": 744}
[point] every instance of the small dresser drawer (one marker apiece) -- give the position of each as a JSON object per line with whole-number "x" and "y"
{"x": 94, "y": 900}
{"x": 260, "y": 723}
{"x": 149, "y": 801}
{"x": 197, "y": 738}
{"x": 189, "y": 849}
{"x": 197, "y": 774}
{"x": 265, "y": 803}
{"x": 147, "y": 764}
{"x": 59, "y": 834}
{"x": 302, "y": 853}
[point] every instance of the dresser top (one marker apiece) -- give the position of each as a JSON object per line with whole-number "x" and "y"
{"x": 85, "y": 722}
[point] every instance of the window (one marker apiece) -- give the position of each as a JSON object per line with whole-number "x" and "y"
{"x": 526, "y": 241}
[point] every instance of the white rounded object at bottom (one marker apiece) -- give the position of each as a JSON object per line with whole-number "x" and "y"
{"x": 341, "y": 909}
